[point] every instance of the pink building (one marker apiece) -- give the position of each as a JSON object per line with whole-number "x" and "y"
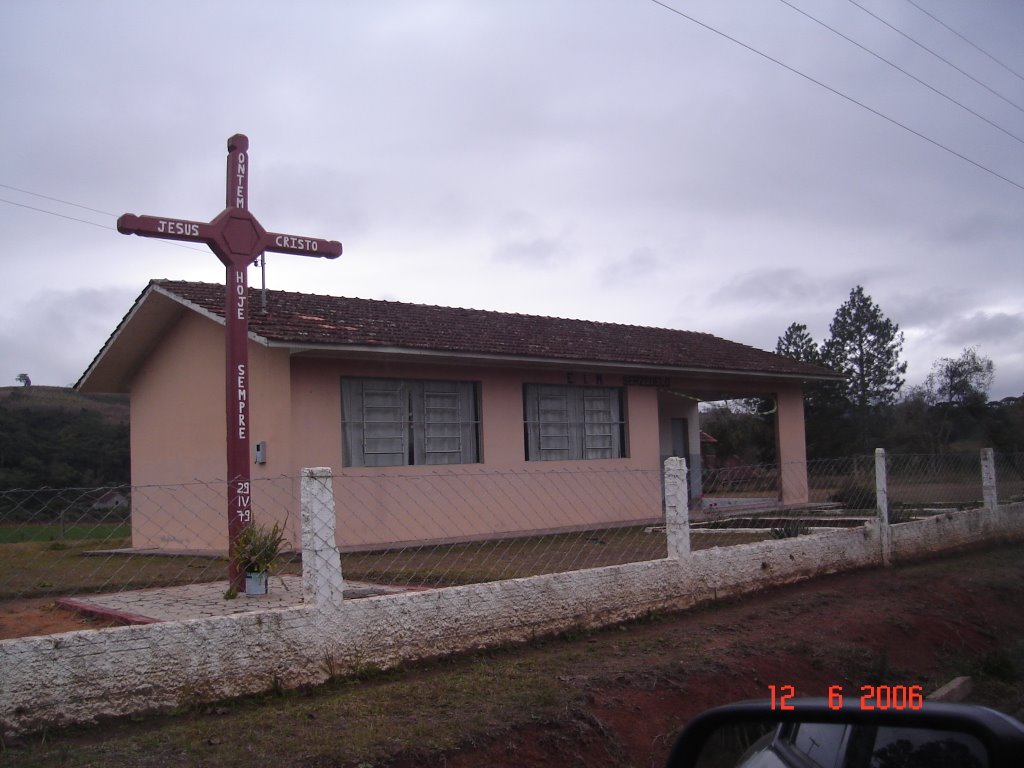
{"x": 387, "y": 393}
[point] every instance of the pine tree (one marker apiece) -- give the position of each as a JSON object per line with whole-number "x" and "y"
{"x": 796, "y": 343}
{"x": 823, "y": 409}
{"x": 865, "y": 346}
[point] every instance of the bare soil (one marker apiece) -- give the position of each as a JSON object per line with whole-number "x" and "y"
{"x": 42, "y": 616}
{"x": 616, "y": 697}
{"x": 916, "y": 625}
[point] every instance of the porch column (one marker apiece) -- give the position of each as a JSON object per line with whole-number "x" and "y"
{"x": 791, "y": 445}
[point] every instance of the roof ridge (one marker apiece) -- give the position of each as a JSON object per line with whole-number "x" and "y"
{"x": 344, "y": 322}
{"x": 333, "y": 297}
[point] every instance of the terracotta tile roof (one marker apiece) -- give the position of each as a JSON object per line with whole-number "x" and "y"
{"x": 333, "y": 321}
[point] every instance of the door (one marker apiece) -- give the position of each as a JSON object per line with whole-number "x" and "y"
{"x": 680, "y": 429}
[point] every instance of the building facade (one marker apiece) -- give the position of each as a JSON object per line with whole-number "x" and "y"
{"x": 396, "y": 397}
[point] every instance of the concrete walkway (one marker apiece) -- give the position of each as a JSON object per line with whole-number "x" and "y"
{"x": 197, "y": 601}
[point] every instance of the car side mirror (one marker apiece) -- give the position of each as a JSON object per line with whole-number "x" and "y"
{"x": 817, "y": 733}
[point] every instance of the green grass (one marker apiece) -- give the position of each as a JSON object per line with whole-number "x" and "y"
{"x": 998, "y": 678}
{"x": 41, "y": 569}
{"x": 360, "y": 721}
{"x": 14, "y": 534}
{"x": 478, "y": 562}
{"x": 39, "y": 564}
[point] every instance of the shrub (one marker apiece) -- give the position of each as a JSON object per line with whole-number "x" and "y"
{"x": 790, "y": 529}
{"x": 257, "y": 547}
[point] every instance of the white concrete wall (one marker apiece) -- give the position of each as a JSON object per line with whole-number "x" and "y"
{"x": 81, "y": 676}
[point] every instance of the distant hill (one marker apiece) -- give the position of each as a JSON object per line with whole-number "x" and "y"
{"x": 57, "y": 437}
{"x": 113, "y": 408}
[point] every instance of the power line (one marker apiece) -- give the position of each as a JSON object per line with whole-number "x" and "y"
{"x": 842, "y": 95}
{"x": 936, "y": 55}
{"x": 978, "y": 48}
{"x": 75, "y": 218}
{"x": 54, "y": 213}
{"x": 905, "y": 72}
{"x": 56, "y": 200}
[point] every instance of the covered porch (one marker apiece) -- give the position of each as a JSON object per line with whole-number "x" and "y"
{"x": 680, "y": 434}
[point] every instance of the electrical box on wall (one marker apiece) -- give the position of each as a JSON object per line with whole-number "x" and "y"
{"x": 261, "y": 452}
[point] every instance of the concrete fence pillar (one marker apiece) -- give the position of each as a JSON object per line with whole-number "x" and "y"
{"x": 882, "y": 505}
{"x": 322, "y": 583}
{"x": 988, "y": 479}
{"x": 677, "y": 508}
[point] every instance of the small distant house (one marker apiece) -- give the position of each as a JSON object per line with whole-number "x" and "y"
{"x": 389, "y": 392}
{"x": 109, "y": 501}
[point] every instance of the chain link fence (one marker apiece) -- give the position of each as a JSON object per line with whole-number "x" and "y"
{"x": 738, "y": 502}
{"x": 421, "y": 530}
{"x": 1010, "y": 476}
{"x": 413, "y": 531}
{"x": 466, "y": 527}
{"x": 753, "y": 503}
{"x": 73, "y": 541}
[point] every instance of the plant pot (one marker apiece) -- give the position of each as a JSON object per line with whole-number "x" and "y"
{"x": 256, "y": 583}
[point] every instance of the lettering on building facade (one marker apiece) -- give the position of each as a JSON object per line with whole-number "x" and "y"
{"x": 646, "y": 381}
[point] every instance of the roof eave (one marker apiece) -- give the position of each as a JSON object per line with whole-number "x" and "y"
{"x": 156, "y": 310}
{"x": 366, "y": 350}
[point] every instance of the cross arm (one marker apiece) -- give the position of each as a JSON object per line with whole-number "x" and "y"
{"x": 301, "y": 246}
{"x": 165, "y": 229}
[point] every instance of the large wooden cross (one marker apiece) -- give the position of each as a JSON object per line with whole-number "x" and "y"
{"x": 238, "y": 240}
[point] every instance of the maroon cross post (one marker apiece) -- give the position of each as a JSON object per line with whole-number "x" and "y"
{"x": 238, "y": 240}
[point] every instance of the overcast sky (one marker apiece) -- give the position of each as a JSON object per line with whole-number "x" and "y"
{"x": 606, "y": 160}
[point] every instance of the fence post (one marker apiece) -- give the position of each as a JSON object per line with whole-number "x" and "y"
{"x": 882, "y": 506}
{"x": 677, "y": 508}
{"x": 988, "y": 479}
{"x": 322, "y": 583}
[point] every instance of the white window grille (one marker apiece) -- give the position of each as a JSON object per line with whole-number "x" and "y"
{"x": 395, "y": 422}
{"x": 573, "y": 423}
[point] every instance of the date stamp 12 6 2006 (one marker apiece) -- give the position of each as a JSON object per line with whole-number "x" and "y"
{"x": 868, "y": 697}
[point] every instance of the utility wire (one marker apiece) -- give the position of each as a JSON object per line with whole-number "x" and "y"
{"x": 936, "y": 55}
{"x": 840, "y": 94}
{"x": 54, "y": 213}
{"x": 905, "y": 72}
{"x": 75, "y": 218}
{"x": 978, "y": 48}
{"x": 56, "y": 200}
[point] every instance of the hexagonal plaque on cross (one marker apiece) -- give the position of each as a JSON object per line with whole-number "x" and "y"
{"x": 237, "y": 239}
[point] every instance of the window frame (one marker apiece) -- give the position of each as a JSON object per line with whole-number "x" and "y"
{"x": 579, "y": 422}
{"x": 399, "y": 411}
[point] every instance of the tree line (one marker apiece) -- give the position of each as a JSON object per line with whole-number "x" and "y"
{"x": 949, "y": 411}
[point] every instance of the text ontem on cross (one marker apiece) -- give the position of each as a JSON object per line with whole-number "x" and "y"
{"x": 237, "y": 239}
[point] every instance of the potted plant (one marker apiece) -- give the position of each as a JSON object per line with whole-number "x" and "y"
{"x": 256, "y": 550}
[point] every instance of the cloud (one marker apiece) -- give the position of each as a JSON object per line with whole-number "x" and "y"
{"x": 996, "y": 329}
{"x": 639, "y": 264}
{"x": 806, "y": 295}
{"x": 537, "y": 252}
{"x": 53, "y": 335}
{"x": 496, "y": 157}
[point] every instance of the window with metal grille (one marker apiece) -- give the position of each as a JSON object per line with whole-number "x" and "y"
{"x": 396, "y": 422}
{"x": 566, "y": 422}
